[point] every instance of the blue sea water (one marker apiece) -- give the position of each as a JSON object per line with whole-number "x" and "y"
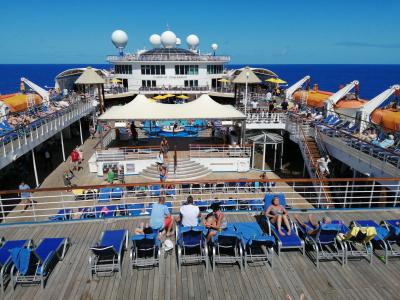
{"x": 373, "y": 78}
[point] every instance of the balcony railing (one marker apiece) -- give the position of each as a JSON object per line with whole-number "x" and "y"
{"x": 182, "y": 89}
{"x": 213, "y": 151}
{"x": 167, "y": 57}
{"x": 86, "y": 202}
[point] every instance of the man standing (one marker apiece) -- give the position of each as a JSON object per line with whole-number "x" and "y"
{"x": 323, "y": 165}
{"x": 189, "y": 213}
{"x": 25, "y": 196}
{"x": 160, "y": 218}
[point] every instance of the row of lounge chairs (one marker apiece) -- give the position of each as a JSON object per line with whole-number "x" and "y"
{"x": 23, "y": 262}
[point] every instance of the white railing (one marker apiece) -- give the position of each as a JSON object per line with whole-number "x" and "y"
{"x": 127, "y": 153}
{"x": 264, "y": 117}
{"x": 26, "y": 138}
{"x": 179, "y": 89}
{"x": 213, "y": 151}
{"x": 168, "y": 57}
{"x": 136, "y": 199}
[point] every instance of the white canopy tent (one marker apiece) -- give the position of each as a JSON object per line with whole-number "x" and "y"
{"x": 141, "y": 108}
{"x": 264, "y": 139}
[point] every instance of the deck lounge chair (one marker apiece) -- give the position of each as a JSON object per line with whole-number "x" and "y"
{"x": 226, "y": 248}
{"x": 257, "y": 245}
{"x": 286, "y": 242}
{"x": 145, "y": 251}
{"x": 33, "y": 266}
{"x": 356, "y": 241}
{"x": 5, "y": 258}
{"x": 191, "y": 245}
{"x": 106, "y": 211}
{"x": 104, "y": 195}
{"x": 324, "y": 242}
{"x": 392, "y": 238}
{"x": 106, "y": 257}
{"x": 62, "y": 215}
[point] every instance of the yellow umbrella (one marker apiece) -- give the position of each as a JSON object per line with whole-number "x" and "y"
{"x": 169, "y": 95}
{"x": 182, "y": 97}
{"x": 159, "y": 97}
{"x": 276, "y": 80}
{"x": 223, "y": 80}
{"x": 116, "y": 80}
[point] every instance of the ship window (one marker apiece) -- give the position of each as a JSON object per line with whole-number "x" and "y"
{"x": 191, "y": 83}
{"x": 152, "y": 69}
{"x": 215, "y": 69}
{"x": 149, "y": 83}
{"x": 187, "y": 70}
{"x": 123, "y": 69}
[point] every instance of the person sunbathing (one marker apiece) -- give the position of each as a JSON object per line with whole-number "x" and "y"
{"x": 278, "y": 214}
{"x": 313, "y": 229}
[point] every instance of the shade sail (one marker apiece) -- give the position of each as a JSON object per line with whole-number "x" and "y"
{"x": 246, "y": 76}
{"x": 89, "y": 76}
{"x": 141, "y": 108}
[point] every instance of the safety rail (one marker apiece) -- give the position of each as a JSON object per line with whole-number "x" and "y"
{"x": 21, "y": 140}
{"x": 178, "y": 89}
{"x": 263, "y": 116}
{"x": 218, "y": 151}
{"x": 168, "y": 57}
{"x": 244, "y": 195}
{"x": 127, "y": 153}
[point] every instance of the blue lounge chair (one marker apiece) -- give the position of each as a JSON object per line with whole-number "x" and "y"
{"x": 268, "y": 200}
{"x": 135, "y": 209}
{"x": 324, "y": 242}
{"x": 191, "y": 245}
{"x": 357, "y": 246}
{"x": 5, "y": 258}
{"x": 286, "y": 242}
{"x": 104, "y": 195}
{"x": 155, "y": 190}
{"x": 106, "y": 257}
{"x": 256, "y": 204}
{"x": 145, "y": 250}
{"x": 106, "y": 211}
{"x": 33, "y": 266}
{"x": 117, "y": 193}
{"x": 392, "y": 238}
{"x": 203, "y": 205}
{"x": 227, "y": 248}
{"x": 62, "y": 215}
{"x": 253, "y": 242}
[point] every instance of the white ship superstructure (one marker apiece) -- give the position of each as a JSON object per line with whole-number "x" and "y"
{"x": 167, "y": 66}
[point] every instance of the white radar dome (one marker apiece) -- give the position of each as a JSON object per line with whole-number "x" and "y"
{"x": 155, "y": 40}
{"x": 168, "y": 39}
{"x": 214, "y": 47}
{"x": 119, "y": 38}
{"x": 178, "y": 41}
{"x": 193, "y": 41}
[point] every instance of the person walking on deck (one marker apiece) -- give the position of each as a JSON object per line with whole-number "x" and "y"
{"x": 25, "y": 196}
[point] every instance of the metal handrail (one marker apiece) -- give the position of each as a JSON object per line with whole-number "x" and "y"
{"x": 168, "y": 57}
{"x": 234, "y": 195}
{"x": 208, "y": 151}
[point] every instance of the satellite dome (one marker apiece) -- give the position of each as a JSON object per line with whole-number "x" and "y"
{"x": 193, "y": 41}
{"x": 119, "y": 38}
{"x": 214, "y": 47}
{"x": 155, "y": 40}
{"x": 168, "y": 39}
{"x": 178, "y": 41}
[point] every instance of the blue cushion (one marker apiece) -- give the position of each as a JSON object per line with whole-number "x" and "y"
{"x": 7, "y": 246}
{"x": 47, "y": 246}
{"x": 113, "y": 238}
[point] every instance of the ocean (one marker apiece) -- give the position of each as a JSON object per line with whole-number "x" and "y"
{"x": 373, "y": 78}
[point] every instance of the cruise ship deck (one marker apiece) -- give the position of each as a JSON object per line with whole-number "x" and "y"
{"x": 291, "y": 274}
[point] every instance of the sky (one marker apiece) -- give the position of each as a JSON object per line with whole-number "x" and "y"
{"x": 251, "y": 32}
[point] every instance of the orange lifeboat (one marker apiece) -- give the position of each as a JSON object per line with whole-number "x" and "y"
{"x": 312, "y": 98}
{"x": 387, "y": 118}
{"x": 18, "y": 102}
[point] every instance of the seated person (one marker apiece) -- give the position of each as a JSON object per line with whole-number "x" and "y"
{"x": 277, "y": 214}
{"x": 215, "y": 221}
{"x": 189, "y": 214}
{"x": 143, "y": 228}
{"x": 315, "y": 225}
{"x": 386, "y": 143}
{"x": 160, "y": 218}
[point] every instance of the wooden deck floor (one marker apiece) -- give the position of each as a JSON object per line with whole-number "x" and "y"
{"x": 291, "y": 273}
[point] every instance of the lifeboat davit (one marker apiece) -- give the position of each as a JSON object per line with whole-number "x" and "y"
{"x": 18, "y": 102}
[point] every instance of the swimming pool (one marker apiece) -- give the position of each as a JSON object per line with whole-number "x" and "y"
{"x": 163, "y": 128}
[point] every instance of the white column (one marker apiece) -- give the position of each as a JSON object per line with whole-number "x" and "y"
{"x": 263, "y": 164}
{"x": 80, "y": 131}
{"x": 274, "y": 157}
{"x": 34, "y": 167}
{"x": 281, "y": 154}
{"x": 252, "y": 159}
{"x": 62, "y": 145}
{"x": 245, "y": 98}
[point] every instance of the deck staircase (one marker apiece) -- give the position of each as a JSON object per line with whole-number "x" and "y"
{"x": 311, "y": 153}
{"x": 186, "y": 170}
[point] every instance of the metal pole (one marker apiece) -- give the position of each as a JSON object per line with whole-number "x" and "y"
{"x": 282, "y": 155}
{"x": 34, "y": 168}
{"x": 62, "y": 145}
{"x": 80, "y": 131}
{"x": 263, "y": 164}
{"x": 274, "y": 157}
{"x": 245, "y": 94}
{"x": 252, "y": 160}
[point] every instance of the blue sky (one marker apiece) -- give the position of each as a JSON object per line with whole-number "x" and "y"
{"x": 271, "y": 32}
